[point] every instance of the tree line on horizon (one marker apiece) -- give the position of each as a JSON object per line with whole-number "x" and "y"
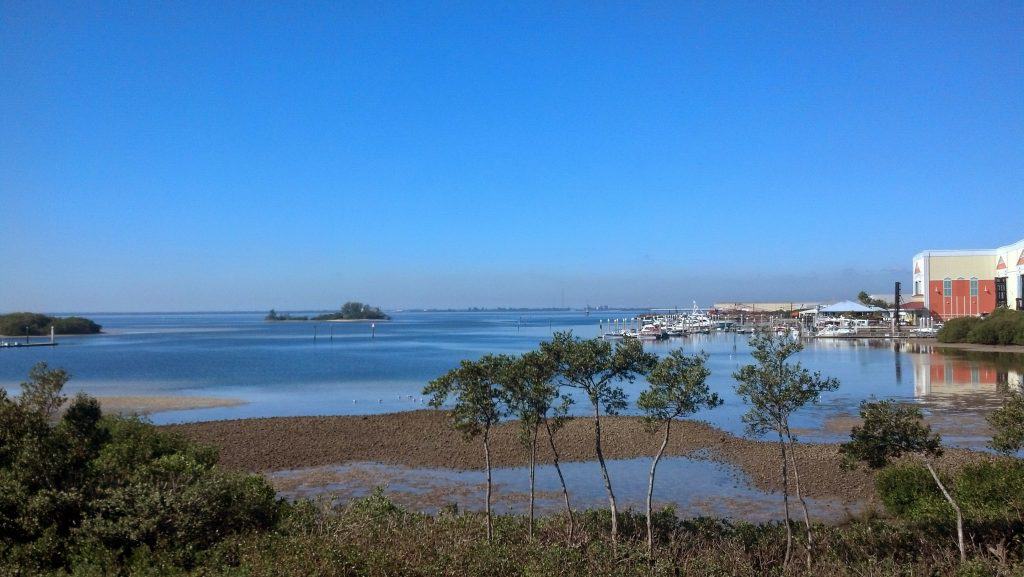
{"x": 36, "y": 324}
{"x": 350, "y": 311}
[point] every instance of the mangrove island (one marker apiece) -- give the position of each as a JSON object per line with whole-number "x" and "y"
{"x": 350, "y": 311}
{"x": 35, "y": 324}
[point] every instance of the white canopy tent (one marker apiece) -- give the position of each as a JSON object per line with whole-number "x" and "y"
{"x": 850, "y": 307}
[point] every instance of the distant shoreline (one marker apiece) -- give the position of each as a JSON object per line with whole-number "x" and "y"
{"x": 352, "y": 321}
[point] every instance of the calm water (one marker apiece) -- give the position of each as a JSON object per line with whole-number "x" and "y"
{"x": 693, "y": 486}
{"x": 279, "y": 369}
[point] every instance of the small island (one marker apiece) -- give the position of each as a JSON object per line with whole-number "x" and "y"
{"x": 350, "y": 311}
{"x": 354, "y": 311}
{"x": 273, "y": 315}
{"x": 35, "y": 324}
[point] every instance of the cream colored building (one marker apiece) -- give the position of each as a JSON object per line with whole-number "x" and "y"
{"x": 956, "y": 283}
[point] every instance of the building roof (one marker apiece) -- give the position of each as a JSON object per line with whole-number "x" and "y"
{"x": 849, "y": 307}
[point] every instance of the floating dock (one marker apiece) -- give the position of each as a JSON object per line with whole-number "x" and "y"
{"x": 4, "y": 345}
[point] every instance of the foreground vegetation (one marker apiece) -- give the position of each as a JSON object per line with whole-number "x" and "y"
{"x": 82, "y": 493}
{"x": 35, "y": 324}
{"x": 1002, "y": 327}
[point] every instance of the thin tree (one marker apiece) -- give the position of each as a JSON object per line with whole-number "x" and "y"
{"x": 1007, "y": 422}
{"x": 678, "y": 387}
{"x": 553, "y": 422}
{"x": 595, "y": 367}
{"x": 774, "y": 388}
{"x": 890, "y": 430}
{"x": 530, "y": 393}
{"x": 473, "y": 388}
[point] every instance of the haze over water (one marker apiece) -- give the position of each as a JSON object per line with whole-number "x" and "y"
{"x": 280, "y": 370}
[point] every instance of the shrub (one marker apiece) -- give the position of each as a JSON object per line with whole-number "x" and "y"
{"x": 992, "y": 491}
{"x": 96, "y": 490}
{"x": 956, "y": 330}
{"x": 1007, "y": 424}
{"x": 909, "y": 492}
{"x": 1002, "y": 327}
{"x": 989, "y": 493}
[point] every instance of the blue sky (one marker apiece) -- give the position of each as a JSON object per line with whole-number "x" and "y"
{"x": 215, "y": 155}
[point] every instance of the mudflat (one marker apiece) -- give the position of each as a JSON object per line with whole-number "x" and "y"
{"x": 426, "y": 439}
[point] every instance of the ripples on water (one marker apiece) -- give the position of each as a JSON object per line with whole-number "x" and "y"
{"x": 281, "y": 370}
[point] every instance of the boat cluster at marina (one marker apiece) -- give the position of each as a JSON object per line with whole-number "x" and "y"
{"x": 661, "y": 325}
{"x": 840, "y": 320}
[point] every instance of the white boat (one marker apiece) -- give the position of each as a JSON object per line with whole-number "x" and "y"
{"x": 832, "y": 331}
{"x": 651, "y": 333}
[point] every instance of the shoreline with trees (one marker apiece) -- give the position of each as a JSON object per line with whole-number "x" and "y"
{"x": 36, "y": 325}
{"x": 349, "y": 312}
{"x": 89, "y": 493}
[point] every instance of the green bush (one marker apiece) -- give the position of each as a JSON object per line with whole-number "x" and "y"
{"x": 1002, "y": 327}
{"x": 83, "y": 488}
{"x": 956, "y": 330}
{"x": 992, "y": 491}
{"x": 910, "y": 492}
{"x": 989, "y": 492}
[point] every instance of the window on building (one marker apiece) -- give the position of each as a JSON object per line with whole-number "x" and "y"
{"x": 947, "y": 287}
{"x": 974, "y": 287}
{"x": 917, "y": 287}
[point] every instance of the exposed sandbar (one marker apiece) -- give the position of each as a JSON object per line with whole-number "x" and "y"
{"x": 425, "y": 439}
{"x": 145, "y": 405}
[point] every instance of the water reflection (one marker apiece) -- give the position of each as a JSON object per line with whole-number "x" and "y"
{"x": 945, "y": 372}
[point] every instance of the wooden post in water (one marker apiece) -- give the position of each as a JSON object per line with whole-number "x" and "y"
{"x": 332, "y": 333}
{"x": 314, "y": 332}
{"x": 51, "y": 334}
{"x": 373, "y": 330}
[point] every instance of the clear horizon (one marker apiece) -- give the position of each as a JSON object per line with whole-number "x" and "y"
{"x": 203, "y": 157}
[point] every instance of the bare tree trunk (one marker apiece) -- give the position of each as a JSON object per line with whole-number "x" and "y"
{"x": 800, "y": 497}
{"x": 487, "y": 466}
{"x": 561, "y": 479}
{"x": 533, "y": 475}
{"x": 650, "y": 490}
{"x": 959, "y": 516}
{"x": 785, "y": 503}
{"x": 604, "y": 473}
